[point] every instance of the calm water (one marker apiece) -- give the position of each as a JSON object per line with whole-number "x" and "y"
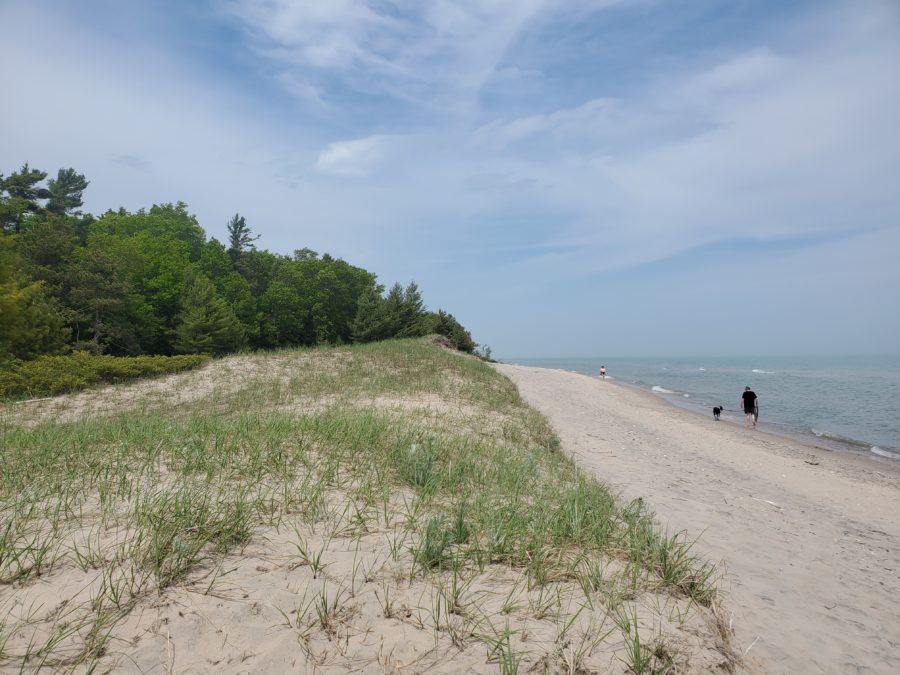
{"x": 848, "y": 403}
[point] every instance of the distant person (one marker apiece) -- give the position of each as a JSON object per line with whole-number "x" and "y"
{"x": 718, "y": 411}
{"x": 750, "y": 404}
{"x": 603, "y": 372}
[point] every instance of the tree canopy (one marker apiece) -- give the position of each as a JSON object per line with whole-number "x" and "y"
{"x": 151, "y": 282}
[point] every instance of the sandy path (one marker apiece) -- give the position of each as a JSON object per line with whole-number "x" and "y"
{"x": 810, "y": 540}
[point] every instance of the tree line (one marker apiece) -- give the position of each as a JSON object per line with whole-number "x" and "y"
{"x": 151, "y": 282}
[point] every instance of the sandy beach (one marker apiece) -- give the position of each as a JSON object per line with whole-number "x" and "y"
{"x": 807, "y": 538}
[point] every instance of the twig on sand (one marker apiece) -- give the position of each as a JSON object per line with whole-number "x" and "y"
{"x": 751, "y": 645}
{"x": 170, "y": 653}
{"x": 767, "y": 502}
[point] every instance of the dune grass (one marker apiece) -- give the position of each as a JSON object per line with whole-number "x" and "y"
{"x": 432, "y": 449}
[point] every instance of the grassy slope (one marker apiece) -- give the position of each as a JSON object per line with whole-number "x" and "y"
{"x": 424, "y": 458}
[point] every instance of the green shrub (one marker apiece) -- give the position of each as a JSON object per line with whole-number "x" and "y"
{"x": 444, "y": 323}
{"x": 53, "y": 375}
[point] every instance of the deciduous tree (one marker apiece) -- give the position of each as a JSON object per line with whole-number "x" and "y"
{"x": 30, "y": 325}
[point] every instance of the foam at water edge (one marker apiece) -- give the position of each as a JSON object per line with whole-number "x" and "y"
{"x": 660, "y": 390}
{"x": 763, "y": 372}
{"x": 884, "y": 453}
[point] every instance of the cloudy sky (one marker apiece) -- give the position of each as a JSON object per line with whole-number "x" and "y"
{"x": 568, "y": 177}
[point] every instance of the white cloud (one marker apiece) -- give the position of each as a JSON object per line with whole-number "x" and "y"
{"x": 353, "y": 158}
{"x": 329, "y": 34}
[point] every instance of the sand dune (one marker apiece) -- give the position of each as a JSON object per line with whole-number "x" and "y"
{"x": 810, "y": 539}
{"x": 391, "y": 508}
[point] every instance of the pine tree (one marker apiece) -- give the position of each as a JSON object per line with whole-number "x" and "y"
{"x": 412, "y": 311}
{"x": 65, "y": 192}
{"x": 239, "y": 237}
{"x": 206, "y": 323}
{"x": 369, "y": 324}
{"x": 19, "y": 195}
{"x": 399, "y": 314}
{"x": 110, "y": 315}
{"x": 446, "y": 324}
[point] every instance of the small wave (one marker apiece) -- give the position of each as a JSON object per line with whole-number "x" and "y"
{"x": 837, "y": 437}
{"x": 763, "y": 372}
{"x": 661, "y": 390}
{"x": 884, "y": 453}
{"x": 701, "y": 368}
{"x": 686, "y": 395}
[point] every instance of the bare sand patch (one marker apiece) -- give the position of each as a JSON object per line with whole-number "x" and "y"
{"x": 170, "y": 391}
{"x": 215, "y": 383}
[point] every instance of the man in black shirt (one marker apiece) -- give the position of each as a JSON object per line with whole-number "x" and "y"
{"x": 749, "y": 403}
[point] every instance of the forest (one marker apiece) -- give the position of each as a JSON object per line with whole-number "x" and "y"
{"x": 151, "y": 282}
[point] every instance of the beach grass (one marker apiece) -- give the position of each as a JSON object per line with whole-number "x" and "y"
{"x": 467, "y": 520}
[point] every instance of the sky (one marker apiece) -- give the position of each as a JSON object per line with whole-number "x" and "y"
{"x": 567, "y": 177}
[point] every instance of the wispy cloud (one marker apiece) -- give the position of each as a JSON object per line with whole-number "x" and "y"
{"x": 132, "y": 162}
{"x": 748, "y": 70}
{"x": 302, "y": 89}
{"x": 588, "y": 119}
{"x": 432, "y": 54}
{"x": 763, "y": 144}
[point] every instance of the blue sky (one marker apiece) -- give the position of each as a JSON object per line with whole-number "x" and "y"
{"x": 568, "y": 177}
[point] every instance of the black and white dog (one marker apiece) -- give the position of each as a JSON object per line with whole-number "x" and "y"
{"x": 718, "y": 411}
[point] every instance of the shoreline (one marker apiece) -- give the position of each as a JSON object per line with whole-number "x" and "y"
{"x": 808, "y": 538}
{"x": 805, "y": 433}
{"x": 833, "y": 447}
{"x": 870, "y": 466}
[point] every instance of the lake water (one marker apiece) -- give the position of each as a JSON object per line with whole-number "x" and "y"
{"x": 849, "y": 404}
